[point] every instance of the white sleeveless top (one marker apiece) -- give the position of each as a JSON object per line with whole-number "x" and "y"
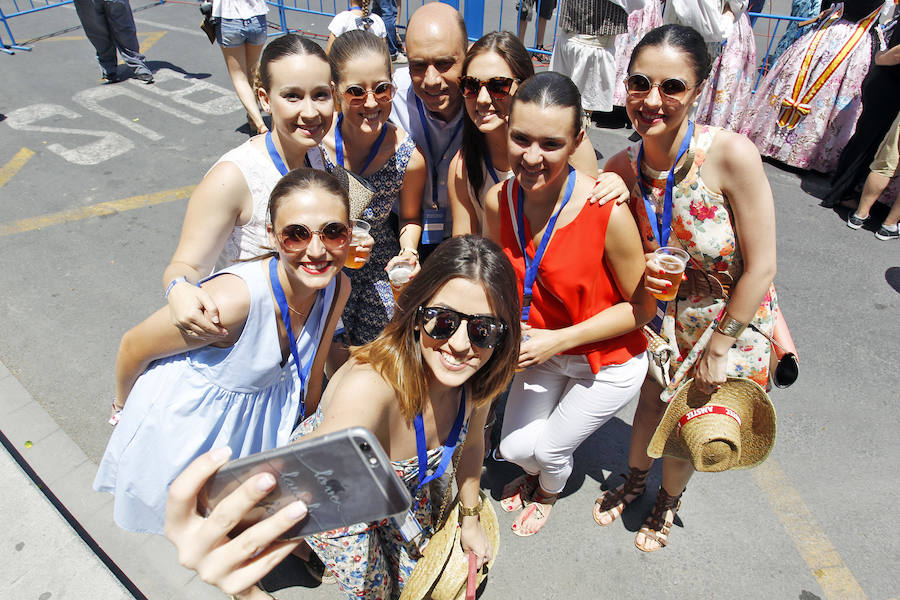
{"x": 247, "y": 241}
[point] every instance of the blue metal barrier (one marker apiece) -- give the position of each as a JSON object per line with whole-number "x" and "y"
{"x": 474, "y": 12}
{"x": 764, "y": 66}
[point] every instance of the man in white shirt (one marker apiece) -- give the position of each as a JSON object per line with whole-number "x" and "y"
{"x": 428, "y": 104}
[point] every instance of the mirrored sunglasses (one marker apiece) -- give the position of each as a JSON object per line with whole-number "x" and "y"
{"x": 441, "y": 323}
{"x": 639, "y": 86}
{"x": 356, "y": 95}
{"x": 296, "y": 237}
{"x": 497, "y": 87}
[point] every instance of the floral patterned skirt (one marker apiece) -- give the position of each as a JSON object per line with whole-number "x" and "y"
{"x": 640, "y": 22}
{"x": 728, "y": 89}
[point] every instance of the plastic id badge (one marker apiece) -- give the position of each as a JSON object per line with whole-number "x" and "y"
{"x": 433, "y": 229}
{"x": 410, "y": 529}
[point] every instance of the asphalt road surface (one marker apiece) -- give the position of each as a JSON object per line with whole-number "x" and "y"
{"x": 93, "y": 187}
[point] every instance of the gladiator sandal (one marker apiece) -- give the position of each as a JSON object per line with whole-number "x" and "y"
{"x": 657, "y": 526}
{"x": 518, "y": 492}
{"x": 614, "y": 501}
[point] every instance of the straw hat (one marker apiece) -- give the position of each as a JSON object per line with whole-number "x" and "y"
{"x": 442, "y": 571}
{"x": 733, "y": 428}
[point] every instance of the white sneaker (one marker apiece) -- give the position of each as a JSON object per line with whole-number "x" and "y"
{"x": 399, "y": 59}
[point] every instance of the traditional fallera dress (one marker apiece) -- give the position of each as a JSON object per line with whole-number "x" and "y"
{"x": 805, "y": 109}
{"x": 729, "y": 38}
{"x": 585, "y": 48}
{"x": 639, "y": 23}
{"x": 806, "y": 9}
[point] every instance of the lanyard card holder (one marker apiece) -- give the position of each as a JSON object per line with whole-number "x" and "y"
{"x": 433, "y": 229}
{"x": 410, "y": 529}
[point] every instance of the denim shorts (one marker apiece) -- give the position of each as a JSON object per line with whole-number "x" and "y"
{"x": 232, "y": 33}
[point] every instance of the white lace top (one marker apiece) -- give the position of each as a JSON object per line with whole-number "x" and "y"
{"x": 247, "y": 241}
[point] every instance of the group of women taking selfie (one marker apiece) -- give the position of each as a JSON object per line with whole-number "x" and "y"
{"x": 542, "y": 291}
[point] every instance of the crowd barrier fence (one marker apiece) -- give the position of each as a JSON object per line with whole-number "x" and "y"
{"x": 771, "y": 34}
{"x": 27, "y": 7}
{"x": 476, "y": 13}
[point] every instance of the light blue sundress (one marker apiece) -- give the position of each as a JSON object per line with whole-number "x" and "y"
{"x": 187, "y": 404}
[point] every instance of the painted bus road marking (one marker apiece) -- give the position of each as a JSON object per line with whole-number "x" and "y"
{"x": 822, "y": 558}
{"x": 108, "y": 146}
{"x": 96, "y": 210}
{"x": 12, "y": 167}
{"x": 202, "y": 96}
{"x": 92, "y": 97}
{"x": 223, "y": 102}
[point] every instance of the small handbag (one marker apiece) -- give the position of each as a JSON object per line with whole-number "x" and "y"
{"x": 208, "y": 25}
{"x": 361, "y": 191}
{"x": 660, "y": 352}
{"x": 784, "y": 366}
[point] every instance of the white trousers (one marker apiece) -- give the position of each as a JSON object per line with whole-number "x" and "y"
{"x": 554, "y": 406}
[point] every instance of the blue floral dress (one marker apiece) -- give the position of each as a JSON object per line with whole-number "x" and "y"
{"x": 372, "y": 560}
{"x": 371, "y": 302}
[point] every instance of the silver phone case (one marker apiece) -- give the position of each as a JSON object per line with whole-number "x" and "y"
{"x": 344, "y": 478}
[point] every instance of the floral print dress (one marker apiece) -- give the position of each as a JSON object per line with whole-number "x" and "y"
{"x": 371, "y": 302}
{"x": 372, "y": 560}
{"x": 703, "y": 224}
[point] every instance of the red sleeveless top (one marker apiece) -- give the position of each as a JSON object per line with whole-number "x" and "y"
{"x": 573, "y": 282}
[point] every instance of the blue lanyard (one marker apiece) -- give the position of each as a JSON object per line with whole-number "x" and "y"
{"x": 339, "y": 145}
{"x": 449, "y": 447}
{"x": 532, "y": 264}
{"x": 273, "y": 154}
{"x": 490, "y": 165}
{"x": 281, "y": 300}
{"x": 663, "y": 231}
{"x": 434, "y": 165}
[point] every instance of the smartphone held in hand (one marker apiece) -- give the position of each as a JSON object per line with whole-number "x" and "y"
{"x": 344, "y": 478}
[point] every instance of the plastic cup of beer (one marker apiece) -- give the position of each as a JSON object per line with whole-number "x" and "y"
{"x": 360, "y": 232}
{"x": 672, "y": 262}
{"x": 399, "y": 275}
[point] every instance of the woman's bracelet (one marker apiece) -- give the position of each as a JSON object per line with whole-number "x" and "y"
{"x": 412, "y": 251}
{"x": 175, "y": 282}
{"x": 730, "y": 327}
{"x": 470, "y": 512}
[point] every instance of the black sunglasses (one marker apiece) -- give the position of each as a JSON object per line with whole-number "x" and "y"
{"x": 497, "y": 87}
{"x": 441, "y": 323}
{"x": 296, "y": 237}
{"x": 639, "y": 85}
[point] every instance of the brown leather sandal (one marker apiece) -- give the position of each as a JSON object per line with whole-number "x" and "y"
{"x": 615, "y": 500}
{"x": 659, "y": 523}
{"x": 518, "y": 492}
